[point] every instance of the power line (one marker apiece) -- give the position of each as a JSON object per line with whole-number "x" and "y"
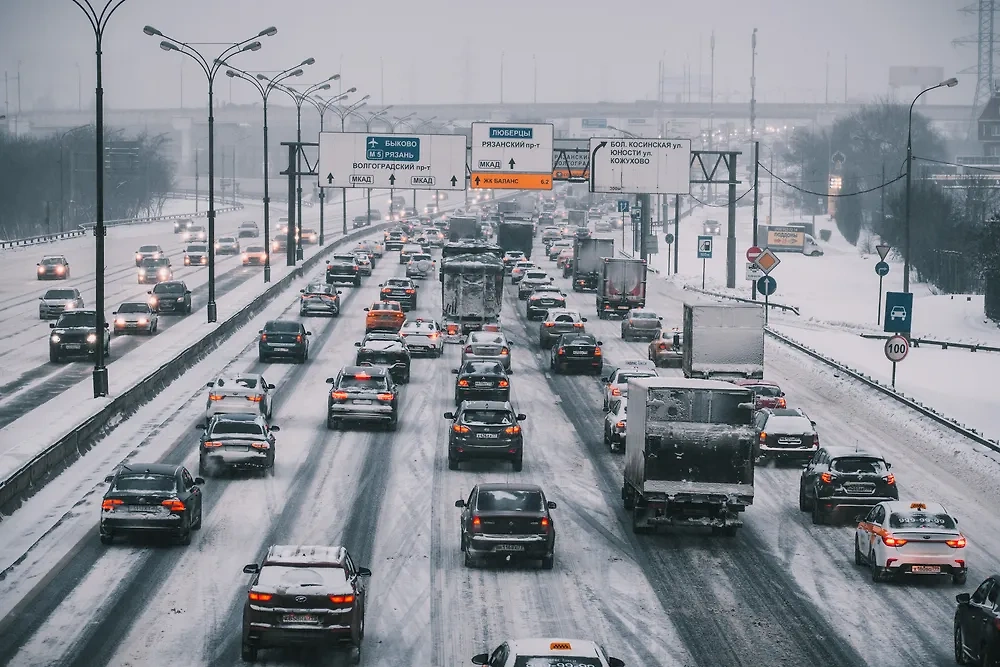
{"x": 955, "y": 164}
{"x": 827, "y": 194}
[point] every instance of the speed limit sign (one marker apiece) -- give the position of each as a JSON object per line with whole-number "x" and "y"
{"x": 896, "y": 348}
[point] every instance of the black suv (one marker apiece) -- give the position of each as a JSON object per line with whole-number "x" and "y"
{"x": 844, "y": 477}
{"x": 785, "y": 434}
{"x": 236, "y": 441}
{"x": 485, "y": 430}
{"x": 283, "y": 338}
{"x": 343, "y": 269}
{"x": 389, "y": 353}
{"x": 171, "y": 296}
{"x": 304, "y": 596}
{"x": 403, "y": 290}
{"x": 75, "y": 334}
{"x": 576, "y": 352}
{"x": 395, "y": 239}
{"x": 508, "y": 521}
{"x": 365, "y": 394}
{"x": 977, "y": 624}
{"x": 481, "y": 381}
{"x": 151, "y": 498}
{"x": 543, "y": 298}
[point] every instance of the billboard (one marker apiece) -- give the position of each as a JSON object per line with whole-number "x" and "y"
{"x": 780, "y": 238}
{"x": 915, "y": 77}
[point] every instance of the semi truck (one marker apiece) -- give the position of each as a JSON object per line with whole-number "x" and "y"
{"x": 471, "y": 292}
{"x": 507, "y": 206}
{"x": 588, "y": 257}
{"x": 517, "y": 235}
{"x": 689, "y": 454}
{"x": 622, "y": 286}
{"x": 723, "y": 341}
{"x": 577, "y": 217}
{"x": 464, "y": 227}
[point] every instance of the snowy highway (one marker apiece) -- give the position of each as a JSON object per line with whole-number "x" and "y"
{"x": 782, "y": 592}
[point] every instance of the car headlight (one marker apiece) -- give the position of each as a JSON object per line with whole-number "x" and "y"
{"x": 152, "y": 300}
{"x": 55, "y": 338}
{"x": 41, "y": 269}
{"x": 138, "y": 256}
{"x": 70, "y": 305}
{"x": 119, "y": 322}
{"x": 92, "y": 338}
{"x": 143, "y": 320}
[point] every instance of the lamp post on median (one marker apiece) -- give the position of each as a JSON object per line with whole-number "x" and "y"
{"x": 210, "y": 69}
{"x": 344, "y": 112}
{"x": 98, "y": 22}
{"x": 265, "y": 92}
{"x": 62, "y": 179}
{"x": 322, "y": 106}
{"x": 298, "y": 99}
{"x": 950, "y": 83}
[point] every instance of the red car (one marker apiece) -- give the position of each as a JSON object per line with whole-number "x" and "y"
{"x": 766, "y": 394}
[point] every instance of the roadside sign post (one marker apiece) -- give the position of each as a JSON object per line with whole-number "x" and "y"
{"x": 896, "y": 349}
{"x": 766, "y": 285}
{"x": 391, "y": 161}
{"x": 753, "y": 252}
{"x": 669, "y": 238}
{"x": 704, "y": 254}
{"x": 897, "y": 317}
{"x": 623, "y": 209}
{"x": 766, "y": 261}
{"x": 511, "y": 156}
{"x": 882, "y": 269}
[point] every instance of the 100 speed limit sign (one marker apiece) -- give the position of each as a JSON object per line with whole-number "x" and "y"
{"x": 896, "y": 348}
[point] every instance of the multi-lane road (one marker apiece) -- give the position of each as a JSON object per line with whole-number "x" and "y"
{"x": 783, "y": 592}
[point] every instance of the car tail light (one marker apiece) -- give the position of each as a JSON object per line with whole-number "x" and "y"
{"x": 342, "y": 599}
{"x": 298, "y": 338}
{"x": 260, "y": 597}
{"x": 477, "y": 524}
{"x": 620, "y": 424}
{"x": 763, "y": 437}
{"x": 339, "y": 395}
{"x": 452, "y": 329}
{"x": 561, "y": 350}
{"x": 512, "y": 430}
{"x": 891, "y": 541}
{"x": 816, "y": 440}
{"x": 215, "y": 397}
{"x": 578, "y": 325}
{"x": 890, "y": 479}
{"x": 174, "y": 505}
{"x": 956, "y": 544}
{"x": 615, "y": 391}
{"x": 550, "y": 324}
{"x": 458, "y": 428}
{"x": 212, "y": 443}
{"x": 782, "y": 403}
{"x": 597, "y": 351}
{"x": 827, "y": 478}
{"x": 263, "y": 337}
{"x": 386, "y": 397}
{"x": 468, "y": 349}
{"x": 505, "y": 350}
{"x": 433, "y": 336}
{"x": 361, "y": 376}
{"x": 111, "y": 503}
{"x": 261, "y": 445}
{"x": 662, "y": 346}
{"x": 463, "y": 383}
{"x": 503, "y": 384}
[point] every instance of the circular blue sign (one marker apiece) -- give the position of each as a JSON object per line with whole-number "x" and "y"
{"x": 766, "y": 285}
{"x": 669, "y": 238}
{"x": 882, "y": 268}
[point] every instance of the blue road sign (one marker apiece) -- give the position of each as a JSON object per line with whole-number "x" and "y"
{"x": 704, "y": 247}
{"x": 766, "y": 285}
{"x": 636, "y": 213}
{"x": 898, "y": 315}
{"x": 392, "y": 149}
{"x": 882, "y": 268}
{"x": 623, "y": 206}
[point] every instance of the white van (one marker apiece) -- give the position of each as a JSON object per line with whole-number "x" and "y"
{"x": 810, "y": 247}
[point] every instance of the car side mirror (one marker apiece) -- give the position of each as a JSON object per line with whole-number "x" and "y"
{"x": 252, "y": 568}
{"x": 339, "y": 292}
{"x": 782, "y": 394}
{"x": 309, "y": 333}
{"x": 366, "y": 310}
{"x": 583, "y": 319}
{"x": 812, "y": 422}
{"x": 963, "y": 598}
{"x": 52, "y": 325}
{"x": 107, "y": 326}
{"x": 200, "y": 427}
{"x": 888, "y": 466}
{"x": 331, "y": 380}
{"x": 521, "y": 416}
{"x": 600, "y": 342}
{"x": 41, "y": 298}
{"x": 364, "y": 572}
{"x": 616, "y": 662}
{"x": 458, "y": 503}
{"x": 551, "y": 505}
{"x": 380, "y": 284}
{"x": 275, "y": 427}
{"x": 114, "y": 312}
{"x": 449, "y": 415}
{"x": 454, "y": 371}
{"x": 109, "y": 479}
{"x": 302, "y": 291}
{"x": 956, "y": 520}
{"x": 149, "y": 292}
{"x": 210, "y": 384}
{"x": 260, "y": 331}
{"x": 357, "y": 343}
{"x": 481, "y": 659}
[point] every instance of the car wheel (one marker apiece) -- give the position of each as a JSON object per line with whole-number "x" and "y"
{"x": 469, "y": 560}
{"x": 452, "y": 463}
{"x": 248, "y": 652}
{"x": 518, "y": 463}
{"x": 724, "y": 531}
{"x": 818, "y": 515}
{"x": 261, "y": 359}
{"x": 393, "y": 424}
{"x": 357, "y": 282}
{"x": 107, "y": 538}
{"x": 858, "y": 560}
{"x": 204, "y": 469}
{"x": 406, "y": 379}
{"x": 607, "y": 436}
{"x": 959, "y": 580}
{"x": 548, "y": 561}
{"x": 960, "y": 657}
{"x": 803, "y": 501}
{"x": 53, "y": 357}
{"x": 332, "y": 423}
{"x": 184, "y": 538}
{"x": 878, "y": 573}
{"x": 358, "y": 631}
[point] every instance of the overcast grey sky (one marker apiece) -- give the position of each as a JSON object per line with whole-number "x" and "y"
{"x": 450, "y": 51}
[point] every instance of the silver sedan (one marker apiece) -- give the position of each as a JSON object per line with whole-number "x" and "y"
{"x": 487, "y": 345}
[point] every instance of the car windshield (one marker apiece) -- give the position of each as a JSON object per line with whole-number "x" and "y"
{"x": 930, "y": 520}
{"x": 255, "y": 248}
{"x": 53, "y": 260}
{"x": 578, "y": 339}
{"x": 149, "y": 248}
{"x": 770, "y": 391}
{"x": 392, "y": 307}
{"x": 319, "y": 288}
{"x": 169, "y": 288}
{"x": 488, "y": 417}
{"x": 859, "y": 464}
{"x": 509, "y": 500}
{"x": 368, "y": 382}
{"x": 133, "y": 308}
{"x": 237, "y": 428}
{"x": 279, "y": 326}
{"x": 783, "y": 424}
{"x": 418, "y": 326}
{"x": 482, "y": 368}
{"x": 623, "y": 378}
{"x": 643, "y": 316}
{"x": 485, "y": 338}
{"x": 148, "y": 262}
{"x": 77, "y": 320}
{"x": 60, "y": 294}
{"x": 282, "y": 576}
{"x": 130, "y": 482}
{"x": 197, "y": 248}
{"x": 398, "y": 282}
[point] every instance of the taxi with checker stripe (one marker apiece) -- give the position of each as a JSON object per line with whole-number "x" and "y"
{"x": 899, "y": 537}
{"x": 548, "y": 652}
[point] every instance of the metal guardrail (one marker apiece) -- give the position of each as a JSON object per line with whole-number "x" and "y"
{"x": 913, "y": 404}
{"x": 945, "y": 344}
{"x": 720, "y": 295}
{"x": 45, "y": 466}
{"x": 201, "y": 194}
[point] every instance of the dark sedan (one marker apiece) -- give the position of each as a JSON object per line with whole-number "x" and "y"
{"x": 343, "y": 269}
{"x": 542, "y": 299}
{"x": 845, "y": 477}
{"x": 508, "y": 521}
{"x": 155, "y": 270}
{"x": 171, "y": 296}
{"x": 481, "y": 381}
{"x": 403, "y": 290}
{"x": 785, "y": 435}
{"x": 576, "y": 352}
{"x": 232, "y": 441}
{"x": 151, "y": 498}
{"x": 319, "y": 298}
{"x": 53, "y": 267}
{"x": 75, "y": 334}
{"x": 389, "y": 353}
{"x": 977, "y": 625}
{"x": 285, "y": 339}
{"x": 485, "y": 430}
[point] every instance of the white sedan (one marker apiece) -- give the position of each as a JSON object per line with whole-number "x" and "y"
{"x": 239, "y": 394}
{"x": 616, "y": 384}
{"x": 423, "y": 336}
{"x": 548, "y": 652}
{"x": 615, "y": 421}
{"x": 899, "y": 537}
{"x": 135, "y": 316}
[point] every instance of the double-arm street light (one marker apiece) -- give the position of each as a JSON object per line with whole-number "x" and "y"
{"x": 99, "y": 23}
{"x": 264, "y": 86}
{"x": 210, "y": 69}
{"x": 343, "y": 112}
{"x": 299, "y": 99}
{"x": 950, "y": 83}
{"x": 322, "y": 106}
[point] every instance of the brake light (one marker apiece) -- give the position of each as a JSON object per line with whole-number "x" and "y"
{"x": 956, "y": 544}
{"x": 662, "y": 346}
{"x": 597, "y": 351}
{"x": 545, "y": 524}
{"x": 174, "y": 504}
{"x": 550, "y": 324}
{"x": 111, "y": 503}
{"x": 826, "y": 477}
{"x": 355, "y": 267}
{"x": 504, "y": 383}
{"x": 433, "y": 336}
{"x": 620, "y": 424}
{"x": 578, "y": 325}
{"x": 463, "y": 383}
{"x": 512, "y": 430}
{"x": 386, "y": 397}
{"x": 763, "y": 437}
{"x": 342, "y": 599}
{"x": 260, "y": 445}
{"x": 615, "y": 391}
{"x": 361, "y": 376}
{"x": 212, "y": 443}
{"x": 260, "y": 597}
{"x": 256, "y": 398}
{"x": 561, "y": 350}
{"x": 782, "y": 403}
{"x": 298, "y": 339}
{"x": 468, "y": 349}
{"x": 386, "y": 290}
{"x": 263, "y": 337}
{"x": 891, "y": 541}
{"x": 215, "y": 397}
{"x": 505, "y": 350}
{"x": 458, "y": 428}
{"x": 339, "y": 395}
{"x": 816, "y": 440}
{"x": 890, "y": 479}
{"x": 477, "y": 524}
{"x": 411, "y": 291}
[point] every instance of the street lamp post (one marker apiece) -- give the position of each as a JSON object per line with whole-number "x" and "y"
{"x": 368, "y": 120}
{"x": 343, "y": 112}
{"x": 210, "y": 69}
{"x": 62, "y": 179}
{"x": 98, "y": 22}
{"x": 322, "y": 106}
{"x": 416, "y": 129}
{"x": 393, "y": 124}
{"x": 950, "y": 83}
{"x": 265, "y": 92}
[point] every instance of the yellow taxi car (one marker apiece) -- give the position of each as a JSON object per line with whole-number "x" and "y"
{"x": 548, "y": 652}
{"x": 384, "y": 316}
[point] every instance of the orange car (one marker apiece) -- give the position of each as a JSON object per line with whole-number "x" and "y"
{"x": 384, "y": 316}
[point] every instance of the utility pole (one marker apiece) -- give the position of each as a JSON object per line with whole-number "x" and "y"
{"x": 770, "y": 192}
{"x": 756, "y": 199}
{"x": 711, "y": 105}
{"x": 753, "y": 81}
{"x": 196, "y": 176}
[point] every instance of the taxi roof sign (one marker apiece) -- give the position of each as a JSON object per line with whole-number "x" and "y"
{"x": 560, "y": 646}
{"x": 918, "y": 506}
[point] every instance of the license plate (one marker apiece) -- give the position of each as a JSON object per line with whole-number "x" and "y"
{"x": 142, "y": 509}
{"x": 487, "y": 435}
{"x": 72, "y": 346}
{"x": 299, "y": 618}
{"x": 362, "y": 401}
{"x": 580, "y": 352}
{"x": 237, "y": 448}
{"x": 509, "y": 547}
{"x": 282, "y": 345}
{"x": 484, "y": 385}
{"x": 926, "y": 569}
